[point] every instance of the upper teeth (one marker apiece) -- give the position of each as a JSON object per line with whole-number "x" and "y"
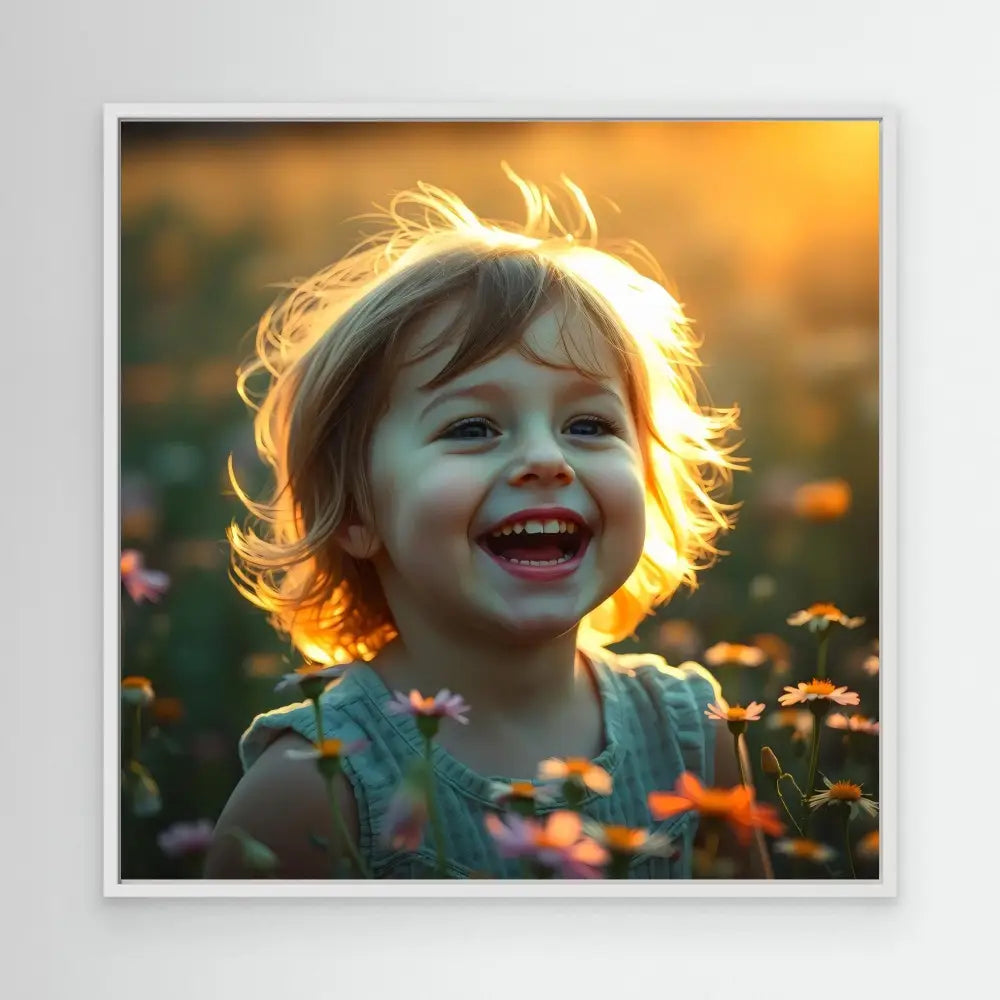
{"x": 536, "y": 528}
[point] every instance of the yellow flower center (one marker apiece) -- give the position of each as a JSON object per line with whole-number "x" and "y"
{"x": 845, "y": 791}
{"x": 820, "y": 688}
{"x": 577, "y": 767}
{"x": 801, "y": 848}
{"x": 522, "y": 790}
{"x": 330, "y": 748}
{"x": 736, "y": 713}
{"x": 136, "y": 682}
{"x": 623, "y": 838}
{"x": 830, "y": 611}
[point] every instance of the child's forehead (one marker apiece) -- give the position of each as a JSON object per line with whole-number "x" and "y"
{"x": 559, "y": 338}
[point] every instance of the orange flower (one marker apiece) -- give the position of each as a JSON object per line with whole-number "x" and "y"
{"x": 797, "y": 719}
{"x": 137, "y": 691}
{"x": 807, "y": 850}
{"x": 734, "y": 654}
{"x": 855, "y": 723}
{"x": 168, "y": 710}
{"x": 819, "y": 617}
{"x": 867, "y": 846}
{"x": 775, "y": 649}
{"x": 735, "y": 806}
{"x": 817, "y": 690}
{"x": 577, "y": 770}
{"x": 822, "y": 500}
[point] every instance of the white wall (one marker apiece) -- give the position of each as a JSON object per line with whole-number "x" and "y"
{"x": 932, "y": 65}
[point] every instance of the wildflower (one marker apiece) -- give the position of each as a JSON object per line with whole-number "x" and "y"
{"x": 724, "y": 712}
{"x": 142, "y": 584}
{"x": 557, "y": 844}
{"x": 167, "y": 710}
{"x": 624, "y": 843}
{"x": 144, "y": 791}
{"x": 137, "y": 691}
{"x": 310, "y": 680}
{"x": 733, "y": 654}
{"x": 405, "y": 817}
{"x": 762, "y": 587}
{"x": 845, "y": 793}
{"x": 819, "y": 617}
{"x": 576, "y": 771}
{"x": 871, "y": 665}
{"x": 818, "y": 691}
{"x": 797, "y": 719}
{"x": 735, "y": 806}
{"x": 804, "y": 849}
{"x": 429, "y": 712}
{"x": 185, "y": 838}
{"x": 867, "y": 846}
{"x": 775, "y": 649}
{"x": 822, "y": 500}
{"x": 679, "y": 639}
{"x": 855, "y": 723}
{"x": 328, "y": 750}
{"x": 769, "y": 762}
{"x": 521, "y": 796}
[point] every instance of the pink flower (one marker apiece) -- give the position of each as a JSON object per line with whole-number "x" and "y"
{"x": 185, "y": 838}
{"x": 556, "y": 843}
{"x": 817, "y": 690}
{"x": 443, "y": 705}
{"x": 724, "y": 712}
{"x": 855, "y": 723}
{"x": 405, "y": 818}
{"x": 142, "y": 584}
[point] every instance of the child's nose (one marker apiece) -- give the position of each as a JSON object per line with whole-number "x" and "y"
{"x": 543, "y": 461}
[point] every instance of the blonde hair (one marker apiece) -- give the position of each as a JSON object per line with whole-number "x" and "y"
{"x": 332, "y": 345}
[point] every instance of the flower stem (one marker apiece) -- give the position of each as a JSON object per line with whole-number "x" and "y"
{"x": 342, "y": 836}
{"x": 765, "y": 861}
{"x": 739, "y": 758}
{"x": 137, "y": 733}
{"x": 821, "y": 662}
{"x": 847, "y": 841}
{"x": 433, "y": 809}
{"x": 781, "y": 798}
{"x": 813, "y": 764}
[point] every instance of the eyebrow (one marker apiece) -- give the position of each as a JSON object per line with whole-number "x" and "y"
{"x": 492, "y": 390}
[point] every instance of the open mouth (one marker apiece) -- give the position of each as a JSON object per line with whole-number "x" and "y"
{"x": 541, "y": 549}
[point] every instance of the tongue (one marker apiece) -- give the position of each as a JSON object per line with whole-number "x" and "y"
{"x": 538, "y": 553}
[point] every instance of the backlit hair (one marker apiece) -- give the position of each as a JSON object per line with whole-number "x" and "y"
{"x": 332, "y": 345}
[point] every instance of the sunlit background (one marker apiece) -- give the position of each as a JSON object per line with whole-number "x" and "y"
{"x": 768, "y": 235}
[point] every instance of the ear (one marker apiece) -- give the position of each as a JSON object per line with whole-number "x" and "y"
{"x": 358, "y": 540}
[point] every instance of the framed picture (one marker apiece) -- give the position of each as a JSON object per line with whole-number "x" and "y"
{"x": 499, "y": 504}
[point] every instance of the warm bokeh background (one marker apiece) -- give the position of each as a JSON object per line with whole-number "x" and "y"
{"x": 768, "y": 234}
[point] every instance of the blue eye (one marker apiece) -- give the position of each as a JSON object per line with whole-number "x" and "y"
{"x": 603, "y": 425}
{"x": 467, "y": 423}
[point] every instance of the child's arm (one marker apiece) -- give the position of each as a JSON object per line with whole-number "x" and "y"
{"x": 280, "y": 801}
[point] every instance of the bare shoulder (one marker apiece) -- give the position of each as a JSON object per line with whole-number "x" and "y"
{"x": 283, "y": 803}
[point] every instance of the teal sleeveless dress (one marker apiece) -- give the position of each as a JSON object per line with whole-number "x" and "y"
{"x": 654, "y": 729}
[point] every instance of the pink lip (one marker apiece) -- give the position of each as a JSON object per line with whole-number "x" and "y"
{"x": 541, "y": 573}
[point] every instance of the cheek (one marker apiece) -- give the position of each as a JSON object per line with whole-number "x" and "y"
{"x": 427, "y": 505}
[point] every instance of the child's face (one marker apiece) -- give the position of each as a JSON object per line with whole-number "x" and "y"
{"x": 439, "y": 489}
